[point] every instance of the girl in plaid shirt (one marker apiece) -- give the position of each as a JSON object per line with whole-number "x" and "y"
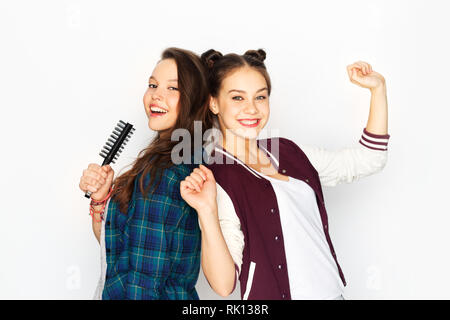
{"x": 149, "y": 236}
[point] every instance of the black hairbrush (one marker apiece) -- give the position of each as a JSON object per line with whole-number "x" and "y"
{"x": 115, "y": 144}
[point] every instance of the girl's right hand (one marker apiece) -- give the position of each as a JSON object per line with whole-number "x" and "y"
{"x": 98, "y": 180}
{"x": 199, "y": 189}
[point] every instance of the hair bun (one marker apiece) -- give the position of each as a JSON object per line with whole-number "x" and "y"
{"x": 259, "y": 54}
{"x": 210, "y": 57}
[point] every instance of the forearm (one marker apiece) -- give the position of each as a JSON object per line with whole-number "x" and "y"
{"x": 217, "y": 263}
{"x": 97, "y": 223}
{"x": 378, "y": 114}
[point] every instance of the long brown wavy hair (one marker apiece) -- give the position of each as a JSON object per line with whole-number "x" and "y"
{"x": 193, "y": 88}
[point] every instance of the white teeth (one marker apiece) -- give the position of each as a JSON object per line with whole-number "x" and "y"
{"x": 249, "y": 121}
{"x": 156, "y": 109}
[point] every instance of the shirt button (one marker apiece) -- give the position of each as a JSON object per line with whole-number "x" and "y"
{"x": 108, "y": 223}
{"x": 276, "y": 238}
{"x": 283, "y": 296}
{"x": 284, "y": 171}
{"x": 326, "y": 227}
{"x": 272, "y": 210}
{"x": 280, "y": 266}
{"x": 306, "y": 180}
{"x": 108, "y": 249}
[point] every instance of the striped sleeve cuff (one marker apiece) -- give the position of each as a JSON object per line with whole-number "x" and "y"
{"x": 374, "y": 141}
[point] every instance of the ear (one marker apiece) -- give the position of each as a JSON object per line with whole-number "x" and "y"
{"x": 213, "y": 105}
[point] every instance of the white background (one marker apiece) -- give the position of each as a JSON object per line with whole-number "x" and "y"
{"x": 69, "y": 70}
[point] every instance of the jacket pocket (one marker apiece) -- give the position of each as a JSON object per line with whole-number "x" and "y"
{"x": 251, "y": 273}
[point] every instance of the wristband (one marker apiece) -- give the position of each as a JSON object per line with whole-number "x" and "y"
{"x": 96, "y": 203}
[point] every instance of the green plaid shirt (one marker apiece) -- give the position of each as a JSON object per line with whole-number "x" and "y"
{"x": 153, "y": 252}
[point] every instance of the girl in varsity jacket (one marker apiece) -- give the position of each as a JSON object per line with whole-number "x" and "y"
{"x": 259, "y": 201}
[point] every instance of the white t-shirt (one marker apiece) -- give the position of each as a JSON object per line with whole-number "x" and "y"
{"x": 312, "y": 271}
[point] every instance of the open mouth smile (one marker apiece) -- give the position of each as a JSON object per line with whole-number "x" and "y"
{"x": 156, "y": 111}
{"x": 249, "y": 123}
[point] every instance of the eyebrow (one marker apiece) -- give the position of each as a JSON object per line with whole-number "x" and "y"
{"x": 172, "y": 80}
{"x": 242, "y": 91}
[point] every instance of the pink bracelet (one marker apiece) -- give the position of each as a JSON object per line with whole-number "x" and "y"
{"x": 92, "y": 211}
{"x": 96, "y": 203}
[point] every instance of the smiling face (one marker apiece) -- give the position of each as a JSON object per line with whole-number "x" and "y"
{"x": 161, "y": 100}
{"x": 242, "y": 105}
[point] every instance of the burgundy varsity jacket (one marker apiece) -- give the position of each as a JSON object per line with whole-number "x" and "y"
{"x": 255, "y": 204}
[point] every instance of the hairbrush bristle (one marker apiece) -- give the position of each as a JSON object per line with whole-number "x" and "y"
{"x": 116, "y": 142}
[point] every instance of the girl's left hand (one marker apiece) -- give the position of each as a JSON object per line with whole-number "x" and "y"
{"x": 361, "y": 74}
{"x": 199, "y": 190}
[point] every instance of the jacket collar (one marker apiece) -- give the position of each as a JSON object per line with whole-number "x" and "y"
{"x": 275, "y": 161}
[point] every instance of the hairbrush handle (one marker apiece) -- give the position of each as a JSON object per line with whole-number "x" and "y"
{"x": 115, "y": 144}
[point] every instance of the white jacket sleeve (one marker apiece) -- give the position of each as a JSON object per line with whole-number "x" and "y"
{"x": 349, "y": 164}
{"x": 230, "y": 226}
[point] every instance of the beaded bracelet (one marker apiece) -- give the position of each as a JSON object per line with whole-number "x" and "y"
{"x": 96, "y": 203}
{"x": 92, "y": 211}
